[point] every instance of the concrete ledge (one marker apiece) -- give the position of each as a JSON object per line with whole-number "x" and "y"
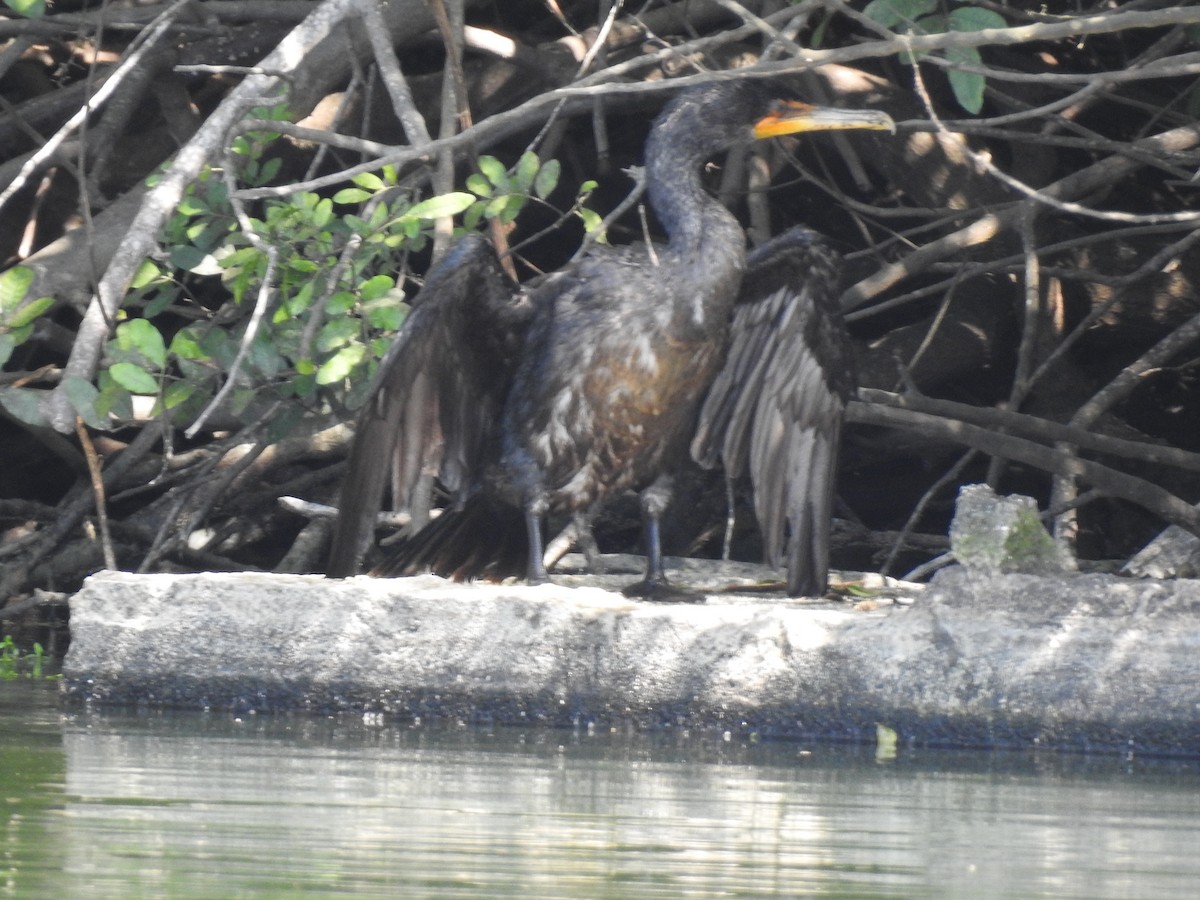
{"x": 1090, "y": 662}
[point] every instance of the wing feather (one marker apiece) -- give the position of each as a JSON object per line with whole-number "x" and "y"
{"x": 435, "y": 400}
{"x": 775, "y": 410}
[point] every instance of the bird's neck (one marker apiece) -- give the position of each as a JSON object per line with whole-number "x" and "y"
{"x": 695, "y": 223}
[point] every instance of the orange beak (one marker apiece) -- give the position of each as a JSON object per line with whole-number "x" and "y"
{"x": 793, "y": 117}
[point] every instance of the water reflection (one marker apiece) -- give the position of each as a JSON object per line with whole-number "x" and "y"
{"x": 195, "y": 806}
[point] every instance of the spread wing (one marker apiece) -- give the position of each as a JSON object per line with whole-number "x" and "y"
{"x": 776, "y": 407}
{"x": 436, "y": 398}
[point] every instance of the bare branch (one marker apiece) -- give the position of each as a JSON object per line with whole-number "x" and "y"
{"x": 163, "y": 198}
{"x": 1116, "y": 484}
{"x": 127, "y": 67}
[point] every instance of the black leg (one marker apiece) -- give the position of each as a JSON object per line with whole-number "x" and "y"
{"x": 655, "y": 574}
{"x": 655, "y": 585}
{"x": 536, "y": 571}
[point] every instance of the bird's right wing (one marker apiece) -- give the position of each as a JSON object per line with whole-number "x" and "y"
{"x": 776, "y": 407}
{"x": 434, "y": 402}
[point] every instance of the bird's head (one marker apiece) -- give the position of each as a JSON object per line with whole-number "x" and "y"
{"x": 722, "y": 114}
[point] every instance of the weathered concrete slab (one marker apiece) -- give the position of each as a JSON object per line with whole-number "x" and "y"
{"x": 1083, "y": 662}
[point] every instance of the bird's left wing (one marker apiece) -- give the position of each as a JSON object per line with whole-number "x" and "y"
{"x": 434, "y": 401}
{"x": 776, "y": 407}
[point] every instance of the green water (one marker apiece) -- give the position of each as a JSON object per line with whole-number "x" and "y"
{"x": 190, "y": 805}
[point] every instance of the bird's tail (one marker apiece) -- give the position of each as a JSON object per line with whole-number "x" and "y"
{"x": 481, "y": 540}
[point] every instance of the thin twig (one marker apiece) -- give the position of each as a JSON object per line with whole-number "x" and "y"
{"x": 638, "y": 174}
{"x": 141, "y": 47}
{"x": 391, "y": 74}
{"x": 93, "y": 463}
{"x": 265, "y": 291}
{"x": 947, "y": 478}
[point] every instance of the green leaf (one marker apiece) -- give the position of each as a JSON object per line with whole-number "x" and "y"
{"x": 479, "y": 185}
{"x": 410, "y": 226}
{"x": 473, "y": 214}
{"x": 142, "y": 336}
{"x": 23, "y": 404}
{"x": 512, "y": 209}
{"x": 445, "y": 205}
{"x": 587, "y": 187}
{"x": 303, "y": 298}
{"x": 340, "y": 303}
{"x": 337, "y": 333}
{"x": 31, "y": 8}
{"x": 82, "y": 395}
{"x": 240, "y": 400}
{"x": 204, "y": 233}
{"x": 193, "y": 370}
{"x": 352, "y": 196}
{"x": 158, "y": 302}
{"x": 217, "y": 193}
{"x": 495, "y": 172}
{"x": 27, "y": 313}
{"x": 527, "y": 169}
{"x": 341, "y": 364}
{"x": 355, "y": 224}
{"x": 974, "y": 18}
{"x": 323, "y": 212}
{"x": 381, "y": 212}
{"x": 266, "y": 359}
{"x": 8, "y": 343}
{"x": 133, "y": 378}
{"x": 187, "y": 257}
{"x": 114, "y": 400}
{"x": 893, "y": 13}
{"x": 238, "y": 258}
{"x": 547, "y": 178}
{"x": 191, "y": 205}
{"x": 385, "y": 317}
{"x": 20, "y": 335}
{"x": 270, "y": 169}
{"x": 304, "y": 385}
{"x": 496, "y": 206}
{"x": 219, "y": 346}
{"x": 14, "y": 285}
{"x": 185, "y": 346}
{"x": 374, "y": 288}
{"x": 148, "y": 272}
{"x": 591, "y": 219}
{"x": 177, "y": 392}
{"x": 967, "y": 86}
{"x": 369, "y": 181}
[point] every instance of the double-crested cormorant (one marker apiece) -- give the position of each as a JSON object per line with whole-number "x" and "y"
{"x": 553, "y": 395}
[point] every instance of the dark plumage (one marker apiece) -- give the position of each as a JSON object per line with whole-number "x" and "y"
{"x": 550, "y": 397}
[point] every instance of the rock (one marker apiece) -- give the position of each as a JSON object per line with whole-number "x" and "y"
{"x": 1088, "y": 662}
{"x": 994, "y": 535}
{"x": 1175, "y": 553}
